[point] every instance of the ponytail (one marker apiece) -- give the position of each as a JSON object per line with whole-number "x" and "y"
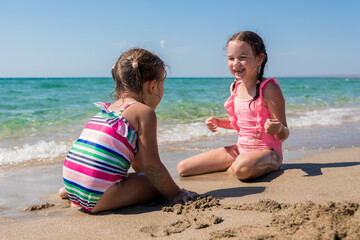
{"x": 135, "y": 67}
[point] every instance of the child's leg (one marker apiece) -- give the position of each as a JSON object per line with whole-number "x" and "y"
{"x": 255, "y": 164}
{"x": 133, "y": 190}
{"x": 212, "y": 161}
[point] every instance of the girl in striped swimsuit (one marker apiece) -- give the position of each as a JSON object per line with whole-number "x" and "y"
{"x": 121, "y": 135}
{"x": 256, "y": 110}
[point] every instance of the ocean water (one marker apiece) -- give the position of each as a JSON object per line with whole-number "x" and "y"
{"x": 41, "y": 118}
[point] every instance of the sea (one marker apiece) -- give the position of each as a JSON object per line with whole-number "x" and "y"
{"x": 40, "y": 118}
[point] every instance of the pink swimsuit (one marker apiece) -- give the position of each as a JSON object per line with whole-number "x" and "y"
{"x": 249, "y": 122}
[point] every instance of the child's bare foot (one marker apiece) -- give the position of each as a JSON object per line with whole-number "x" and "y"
{"x": 73, "y": 205}
{"x": 230, "y": 171}
{"x": 63, "y": 193}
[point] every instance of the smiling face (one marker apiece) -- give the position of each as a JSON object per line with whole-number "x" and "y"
{"x": 241, "y": 61}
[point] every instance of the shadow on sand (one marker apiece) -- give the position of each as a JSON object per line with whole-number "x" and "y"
{"x": 235, "y": 192}
{"x": 311, "y": 170}
{"x": 314, "y": 169}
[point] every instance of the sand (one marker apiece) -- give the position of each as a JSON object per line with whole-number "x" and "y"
{"x": 315, "y": 197}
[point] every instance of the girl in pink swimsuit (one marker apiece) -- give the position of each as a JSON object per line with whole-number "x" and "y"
{"x": 256, "y": 110}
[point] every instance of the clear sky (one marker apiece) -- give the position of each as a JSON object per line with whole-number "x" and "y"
{"x": 83, "y": 38}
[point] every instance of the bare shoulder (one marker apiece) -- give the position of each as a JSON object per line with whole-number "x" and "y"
{"x": 145, "y": 113}
{"x": 139, "y": 115}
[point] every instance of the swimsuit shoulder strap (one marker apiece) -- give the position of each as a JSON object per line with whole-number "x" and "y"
{"x": 126, "y": 106}
{"x": 263, "y": 84}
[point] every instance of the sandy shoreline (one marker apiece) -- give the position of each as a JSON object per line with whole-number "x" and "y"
{"x": 275, "y": 206}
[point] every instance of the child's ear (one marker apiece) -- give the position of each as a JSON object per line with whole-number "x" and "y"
{"x": 260, "y": 58}
{"x": 152, "y": 86}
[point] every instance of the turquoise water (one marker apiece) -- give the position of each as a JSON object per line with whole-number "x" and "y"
{"x": 48, "y": 114}
{"x": 46, "y": 108}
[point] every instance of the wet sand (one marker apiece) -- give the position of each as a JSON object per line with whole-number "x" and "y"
{"x": 313, "y": 197}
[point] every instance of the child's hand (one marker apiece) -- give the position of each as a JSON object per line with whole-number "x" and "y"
{"x": 273, "y": 126}
{"x": 211, "y": 124}
{"x": 184, "y": 196}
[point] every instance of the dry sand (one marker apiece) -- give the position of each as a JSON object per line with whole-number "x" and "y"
{"x": 317, "y": 197}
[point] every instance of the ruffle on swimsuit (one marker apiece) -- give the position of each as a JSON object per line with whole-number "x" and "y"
{"x": 230, "y": 108}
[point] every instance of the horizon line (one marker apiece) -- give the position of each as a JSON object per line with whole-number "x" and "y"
{"x": 310, "y": 76}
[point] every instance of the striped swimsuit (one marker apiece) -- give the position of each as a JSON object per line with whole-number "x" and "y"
{"x": 100, "y": 157}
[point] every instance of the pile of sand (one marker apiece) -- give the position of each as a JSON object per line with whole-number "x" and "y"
{"x": 36, "y": 207}
{"x": 191, "y": 214}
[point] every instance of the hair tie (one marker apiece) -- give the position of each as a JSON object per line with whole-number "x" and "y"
{"x": 135, "y": 65}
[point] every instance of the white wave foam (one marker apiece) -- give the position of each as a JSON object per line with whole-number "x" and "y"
{"x": 33, "y": 153}
{"x": 184, "y": 132}
{"x": 172, "y": 133}
{"x": 48, "y": 151}
{"x": 326, "y": 117}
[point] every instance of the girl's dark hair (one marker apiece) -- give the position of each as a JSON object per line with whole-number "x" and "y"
{"x": 135, "y": 67}
{"x": 258, "y": 48}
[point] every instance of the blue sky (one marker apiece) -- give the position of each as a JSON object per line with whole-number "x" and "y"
{"x": 78, "y": 38}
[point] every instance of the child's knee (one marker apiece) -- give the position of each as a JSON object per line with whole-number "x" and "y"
{"x": 181, "y": 168}
{"x": 243, "y": 171}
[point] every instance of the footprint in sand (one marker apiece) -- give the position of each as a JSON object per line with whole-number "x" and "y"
{"x": 161, "y": 231}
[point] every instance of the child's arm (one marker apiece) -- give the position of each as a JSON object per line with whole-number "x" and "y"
{"x": 149, "y": 159}
{"x": 212, "y": 123}
{"x": 275, "y": 102}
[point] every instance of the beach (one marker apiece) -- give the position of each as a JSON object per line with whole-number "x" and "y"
{"x": 315, "y": 194}
{"x": 61, "y": 62}
{"x": 314, "y": 197}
